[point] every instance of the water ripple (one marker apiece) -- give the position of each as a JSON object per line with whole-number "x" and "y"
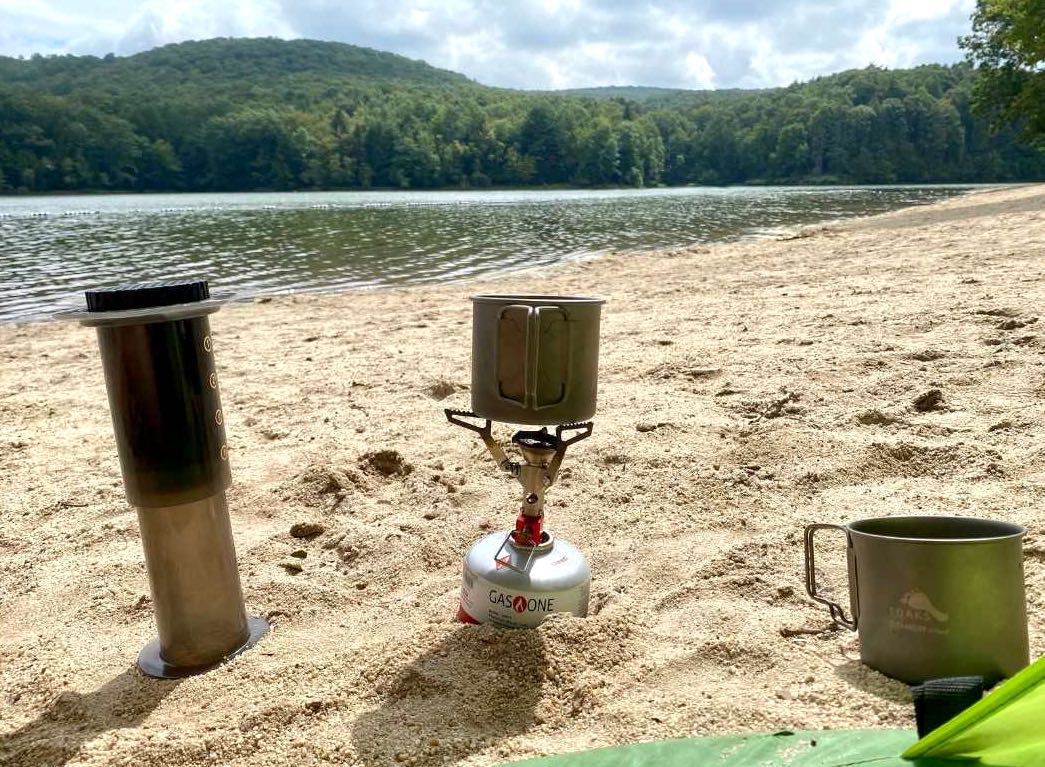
{"x": 250, "y": 244}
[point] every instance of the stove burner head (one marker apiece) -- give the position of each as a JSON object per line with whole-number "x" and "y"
{"x": 542, "y": 454}
{"x": 536, "y": 440}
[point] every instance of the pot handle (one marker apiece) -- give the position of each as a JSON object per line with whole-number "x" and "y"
{"x": 534, "y": 344}
{"x": 837, "y": 613}
{"x": 510, "y": 321}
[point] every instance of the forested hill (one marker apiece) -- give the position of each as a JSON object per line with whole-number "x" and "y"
{"x": 270, "y": 114}
{"x": 220, "y": 63}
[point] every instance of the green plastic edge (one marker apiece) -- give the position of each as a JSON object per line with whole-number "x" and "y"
{"x": 835, "y": 748}
{"x": 1008, "y": 692}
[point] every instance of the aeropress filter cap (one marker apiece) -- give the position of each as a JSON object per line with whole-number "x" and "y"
{"x": 146, "y": 295}
{"x": 145, "y": 302}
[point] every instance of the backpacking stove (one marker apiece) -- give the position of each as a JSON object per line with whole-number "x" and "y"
{"x": 535, "y": 362}
{"x": 514, "y": 579}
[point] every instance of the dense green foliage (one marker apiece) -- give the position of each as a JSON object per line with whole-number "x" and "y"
{"x": 270, "y": 114}
{"x": 1008, "y": 44}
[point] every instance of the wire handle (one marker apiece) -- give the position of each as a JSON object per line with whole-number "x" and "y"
{"x": 837, "y": 613}
{"x": 506, "y": 560}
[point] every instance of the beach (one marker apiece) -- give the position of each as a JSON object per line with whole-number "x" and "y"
{"x": 873, "y": 367}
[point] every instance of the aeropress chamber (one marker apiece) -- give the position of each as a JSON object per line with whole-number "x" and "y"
{"x": 157, "y": 355}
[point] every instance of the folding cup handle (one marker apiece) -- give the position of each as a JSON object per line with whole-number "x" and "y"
{"x": 837, "y": 613}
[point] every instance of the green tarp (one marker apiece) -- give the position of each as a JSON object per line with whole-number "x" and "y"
{"x": 1005, "y": 729}
{"x": 827, "y": 748}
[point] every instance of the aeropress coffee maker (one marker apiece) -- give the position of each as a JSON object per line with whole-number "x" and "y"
{"x": 157, "y": 355}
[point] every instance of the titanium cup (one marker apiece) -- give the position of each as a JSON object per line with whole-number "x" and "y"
{"x": 535, "y": 359}
{"x": 933, "y": 597}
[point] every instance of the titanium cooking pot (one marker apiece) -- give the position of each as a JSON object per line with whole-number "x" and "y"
{"x": 535, "y": 359}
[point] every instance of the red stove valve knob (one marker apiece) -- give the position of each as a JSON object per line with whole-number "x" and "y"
{"x": 528, "y": 530}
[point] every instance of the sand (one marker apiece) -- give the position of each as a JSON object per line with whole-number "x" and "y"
{"x": 746, "y": 390}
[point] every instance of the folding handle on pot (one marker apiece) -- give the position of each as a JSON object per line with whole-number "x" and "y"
{"x": 837, "y": 613}
{"x": 519, "y": 356}
{"x": 506, "y": 352}
{"x": 534, "y": 348}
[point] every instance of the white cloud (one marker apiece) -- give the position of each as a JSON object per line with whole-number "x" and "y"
{"x": 158, "y": 22}
{"x": 534, "y": 43}
{"x": 699, "y": 72}
{"x": 44, "y": 27}
{"x": 905, "y": 11}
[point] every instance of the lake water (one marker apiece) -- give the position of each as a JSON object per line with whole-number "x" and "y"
{"x": 52, "y": 248}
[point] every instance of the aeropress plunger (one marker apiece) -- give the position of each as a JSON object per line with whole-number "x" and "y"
{"x": 158, "y": 359}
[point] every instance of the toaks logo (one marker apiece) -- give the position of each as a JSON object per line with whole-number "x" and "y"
{"x": 916, "y": 612}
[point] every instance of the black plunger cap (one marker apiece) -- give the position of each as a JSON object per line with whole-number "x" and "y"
{"x": 146, "y": 295}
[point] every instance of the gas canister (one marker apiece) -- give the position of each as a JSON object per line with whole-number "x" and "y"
{"x": 512, "y": 586}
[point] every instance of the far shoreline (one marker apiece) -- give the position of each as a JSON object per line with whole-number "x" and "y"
{"x": 832, "y": 184}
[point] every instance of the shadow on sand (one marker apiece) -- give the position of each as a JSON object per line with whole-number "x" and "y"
{"x": 870, "y": 681}
{"x": 475, "y": 688}
{"x": 72, "y": 719}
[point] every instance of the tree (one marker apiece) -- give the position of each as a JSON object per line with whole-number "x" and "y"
{"x": 1008, "y": 45}
{"x": 791, "y": 155}
{"x": 541, "y": 137}
{"x": 600, "y": 155}
{"x": 272, "y": 114}
{"x": 257, "y": 149}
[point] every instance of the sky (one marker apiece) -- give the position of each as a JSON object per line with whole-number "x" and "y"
{"x": 534, "y": 44}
